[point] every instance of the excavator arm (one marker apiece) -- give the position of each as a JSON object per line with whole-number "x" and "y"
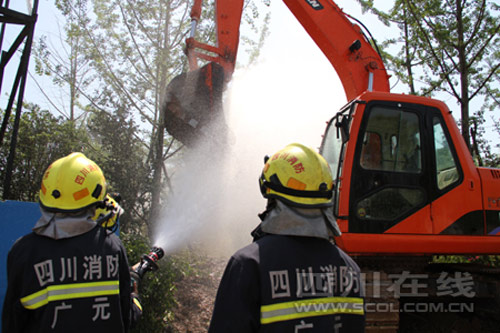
{"x": 193, "y": 100}
{"x": 228, "y": 19}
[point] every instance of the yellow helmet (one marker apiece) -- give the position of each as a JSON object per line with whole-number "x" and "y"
{"x": 108, "y": 213}
{"x": 72, "y": 183}
{"x": 298, "y": 176}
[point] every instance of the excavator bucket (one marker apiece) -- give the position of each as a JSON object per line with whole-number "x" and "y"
{"x": 193, "y": 102}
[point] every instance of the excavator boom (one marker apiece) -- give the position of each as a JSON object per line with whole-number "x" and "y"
{"x": 359, "y": 66}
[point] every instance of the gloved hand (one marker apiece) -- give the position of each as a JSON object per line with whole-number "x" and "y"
{"x": 135, "y": 279}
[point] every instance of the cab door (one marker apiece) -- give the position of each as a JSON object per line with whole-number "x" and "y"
{"x": 390, "y": 188}
{"x": 456, "y": 207}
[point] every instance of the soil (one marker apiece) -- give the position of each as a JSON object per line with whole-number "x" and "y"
{"x": 195, "y": 295}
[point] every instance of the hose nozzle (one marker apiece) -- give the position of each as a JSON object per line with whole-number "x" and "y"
{"x": 148, "y": 261}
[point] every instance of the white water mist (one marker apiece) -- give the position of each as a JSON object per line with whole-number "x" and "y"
{"x": 216, "y": 198}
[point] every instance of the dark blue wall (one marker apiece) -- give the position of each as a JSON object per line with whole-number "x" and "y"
{"x": 16, "y": 219}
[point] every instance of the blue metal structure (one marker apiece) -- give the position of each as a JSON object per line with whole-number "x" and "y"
{"x": 16, "y": 219}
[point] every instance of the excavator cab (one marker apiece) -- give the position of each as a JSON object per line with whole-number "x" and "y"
{"x": 405, "y": 182}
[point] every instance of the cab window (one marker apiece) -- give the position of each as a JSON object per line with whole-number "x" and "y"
{"x": 331, "y": 148}
{"x": 446, "y": 166}
{"x": 391, "y": 141}
{"x": 390, "y": 203}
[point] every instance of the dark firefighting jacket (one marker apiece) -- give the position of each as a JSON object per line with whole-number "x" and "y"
{"x": 75, "y": 284}
{"x": 289, "y": 284}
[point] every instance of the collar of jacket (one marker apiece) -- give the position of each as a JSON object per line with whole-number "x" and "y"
{"x": 293, "y": 221}
{"x": 61, "y": 225}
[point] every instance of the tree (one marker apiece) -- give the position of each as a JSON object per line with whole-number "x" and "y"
{"x": 405, "y": 60}
{"x": 134, "y": 49}
{"x": 455, "y": 45}
{"x": 251, "y": 18}
{"x": 42, "y": 139}
{"x": 131, "y": 49}
{"x": 492, "y": 103}
{"x": 117, "y": 148}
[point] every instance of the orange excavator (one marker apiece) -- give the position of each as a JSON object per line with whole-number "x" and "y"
{"x": 406, "y": 187}
{"x": 405, "y": 184}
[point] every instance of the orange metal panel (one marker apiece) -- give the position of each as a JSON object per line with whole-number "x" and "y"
{"x": 417, "y": 223}
{"x": 450, "y": 207}
{"x": 490, "y": 179}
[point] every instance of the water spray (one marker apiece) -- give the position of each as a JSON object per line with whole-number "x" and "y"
{"x": 148, "y": 263}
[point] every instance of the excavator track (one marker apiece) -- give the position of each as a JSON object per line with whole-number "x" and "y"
{"x": 413, "y": 294}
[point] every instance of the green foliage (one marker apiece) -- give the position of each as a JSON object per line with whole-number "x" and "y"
{"x": 42, "y": 139}
{"x": 156, "y": 289}
{"x": 135, "y": 50}
{"x": 487, "y": 260}
{"x": 258, "y": 23}
{"x": 118, "y": 150}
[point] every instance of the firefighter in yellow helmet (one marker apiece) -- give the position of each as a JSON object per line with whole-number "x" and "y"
{"x": 292, "y": 277}
{"x": 69, "y": 274}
